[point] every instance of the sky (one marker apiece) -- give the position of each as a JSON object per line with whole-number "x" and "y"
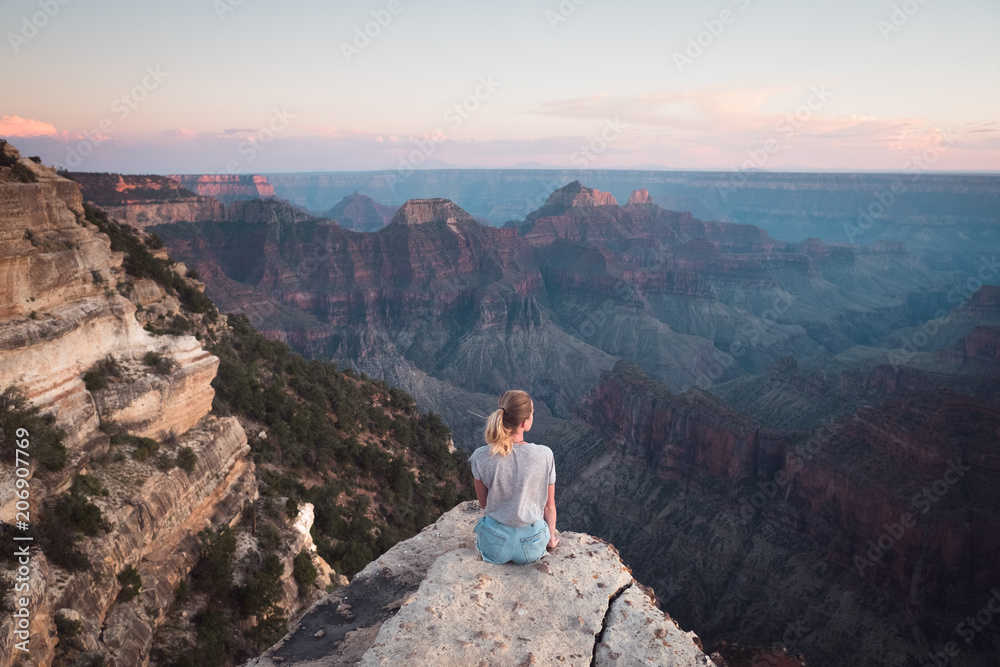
{"x": 261, "y": 86}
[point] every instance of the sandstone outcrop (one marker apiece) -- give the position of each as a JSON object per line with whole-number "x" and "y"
{"x": 421, "y": 211}
{"x": 227, "y": 188}
{"x": 575, "y": 194}
{"x": 639, "y": 197}
{"x": 147, "y": 200}
{"x": 62, "y": 311}
{"x": 60, "y": 298}
{"x": 431, "y": 600}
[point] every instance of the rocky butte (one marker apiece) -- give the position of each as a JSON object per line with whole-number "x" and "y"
{"x": 63, "y": 312}
{"x": 432, "y": 601}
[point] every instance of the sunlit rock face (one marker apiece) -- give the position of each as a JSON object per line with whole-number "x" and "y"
{"x": 61, "y": 313}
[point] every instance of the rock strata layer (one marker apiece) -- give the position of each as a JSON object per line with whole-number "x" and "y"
{"x": 63, "y": 313}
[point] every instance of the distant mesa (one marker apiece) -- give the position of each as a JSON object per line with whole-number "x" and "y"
{"x": 227, "y": 188}
{"x": 422, "y": 211}
{"x": 575, "y": 194}
{"x": 361, "y": 213}
{"x": 639, "y": 197}
{"x": 146, "y": 200}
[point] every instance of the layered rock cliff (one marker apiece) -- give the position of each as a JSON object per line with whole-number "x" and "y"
{"x": 227, "y": 188}
{"x": 147, "y": 200}
{"x": 861, "y": 539}
{"x": 63, "y": 314}
{"x": 431, "y": 600}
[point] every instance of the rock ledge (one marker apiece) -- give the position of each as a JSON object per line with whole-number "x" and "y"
{"x": 430, "y": 600}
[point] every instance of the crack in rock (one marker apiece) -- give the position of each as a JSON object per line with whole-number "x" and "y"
{"x": 604, "y": 622}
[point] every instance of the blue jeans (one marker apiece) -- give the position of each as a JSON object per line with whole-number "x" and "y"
{"x": 499, "y": 543}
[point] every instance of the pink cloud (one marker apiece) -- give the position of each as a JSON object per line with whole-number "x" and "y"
{"x": 181, "y": 133}
{"x": 15, "y": 126}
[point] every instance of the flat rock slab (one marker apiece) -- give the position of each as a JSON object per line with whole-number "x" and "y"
{"x": 468, "y": 611}
{"x": 637, "y": 633}
{"x": 431, "y": 600}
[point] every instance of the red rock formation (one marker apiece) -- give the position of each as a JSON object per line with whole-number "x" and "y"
{"x": 582, "y": 214}
{"x": 639, "y": 197}
{"x": 227, "y": 188}
{"x": 142, "y": 201}
{"x": 688, "y": 437}
{"x": 983, "y": 343}
{"x": 928, "y": 455}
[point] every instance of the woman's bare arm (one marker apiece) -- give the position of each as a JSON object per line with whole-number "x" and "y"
{"x": 481, "y": 493}
{"x": 550, "y": 517}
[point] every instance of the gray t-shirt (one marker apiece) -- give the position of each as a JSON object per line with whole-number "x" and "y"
{"x": 518, "y": 483}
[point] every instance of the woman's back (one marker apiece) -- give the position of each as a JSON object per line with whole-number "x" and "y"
{"x": 518, "y": 483}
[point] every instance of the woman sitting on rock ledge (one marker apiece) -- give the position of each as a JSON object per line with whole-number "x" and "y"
{"x": 515, "y": 483}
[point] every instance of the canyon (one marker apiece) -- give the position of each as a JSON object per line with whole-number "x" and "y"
{"x": 753, "y": 422}
{"x": 453, "y": 310}
{"x": 128, "y": 464}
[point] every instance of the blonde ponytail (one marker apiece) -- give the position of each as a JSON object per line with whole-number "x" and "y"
{"x": 513, "y": 409}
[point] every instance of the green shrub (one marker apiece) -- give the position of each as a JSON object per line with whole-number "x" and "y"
{"x": 97, "y": 377}
{"x": 131, "y": 584}
{"x": 187, "y": 459}
{"x": 47, "y": 449}
{"x": 215, "y": 639}
{"x": 291, "y": 509}
{"x": 304, "y": 570}
{"x": 269, "y": 537}
{"x": 161, "y": 364}
{"x": 94, "y": 381}
{"x": 181, "y": 591}
{"x": 144, "y": 448}
{"x": 67, "y": 627}
{"x": 165, "y": 462}
{"x": 90, "y": 485}
{"x": 179, "y": 325}
{"x": 259, "y": 596}
{"x": 76, "y": 511}
{"x": 214, "y": 571}
{"x": 58, "y": 543}
{"x": 24, "y": 174}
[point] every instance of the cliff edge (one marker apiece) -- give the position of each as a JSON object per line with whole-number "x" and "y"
{"x": 430, "y": 600}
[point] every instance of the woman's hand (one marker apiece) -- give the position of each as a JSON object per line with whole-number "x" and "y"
{"x": 553, "y": 542}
